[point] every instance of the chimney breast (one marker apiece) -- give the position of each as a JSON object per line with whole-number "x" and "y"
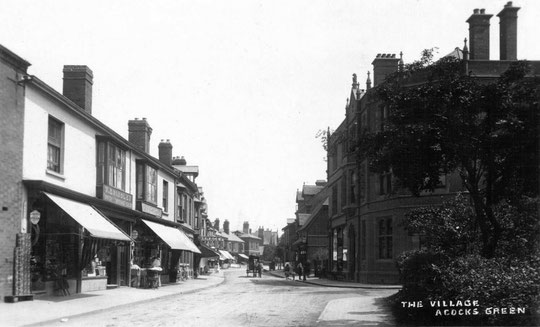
{"x": 479, "y": 34}
{"x": 139, "y": 134}
{"x": 508, "y": 32}
{"x": 165, "y": 152}
{"x": 383, "y": 65}
{"x": 77, "y": 87}
{"x": 226, "y": 226}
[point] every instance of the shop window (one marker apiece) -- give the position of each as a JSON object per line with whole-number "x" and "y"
{"x": 385, "y": 238}
{"x": 111, "y": 165}
{"x": 345, "y": 247}
{"x": 55, "y": 145}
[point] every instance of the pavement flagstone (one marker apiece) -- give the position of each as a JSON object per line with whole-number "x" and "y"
{"x": 55, "y": 308}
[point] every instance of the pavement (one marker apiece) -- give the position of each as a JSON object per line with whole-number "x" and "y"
{"x": 47, "y": 309}
{"x": 337, "y": 283}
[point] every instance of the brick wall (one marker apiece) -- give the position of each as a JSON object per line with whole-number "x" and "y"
{"x": 11, "y": 142}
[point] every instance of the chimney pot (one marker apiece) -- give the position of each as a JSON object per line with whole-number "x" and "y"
{"x": 476, "y": 11}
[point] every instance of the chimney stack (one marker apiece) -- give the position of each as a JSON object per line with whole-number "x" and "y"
{"x": 479, "y": 35}
{"x": 246, "y": 228}
{"x": 216, "y": 224}
{"x": 383, "y": 65}
{"x": 165, "y": 152}
{"x": 226, "y": 226}
{"x": 78, "y": 80}
{"x": 139, "y": 134}
{"x": 508, "y": 32}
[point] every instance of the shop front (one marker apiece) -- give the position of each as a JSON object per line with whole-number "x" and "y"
{"x": 208, "y": 259}
{"x": 166, "y": 246}
{"x": 71, "y": 246}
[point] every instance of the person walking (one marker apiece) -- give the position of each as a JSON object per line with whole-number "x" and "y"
{"x": 287, "y": 270}
{"x": 306, "y": 270}
{"x": 260, "y": 268}
{"x": 299, "y": 270}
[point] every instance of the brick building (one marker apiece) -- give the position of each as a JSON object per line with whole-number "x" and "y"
{"x": 312, "y": 222}
{"x": 104, "y": 206}
{"x": 366, "y": 209}
{"x": 12, "y": 70}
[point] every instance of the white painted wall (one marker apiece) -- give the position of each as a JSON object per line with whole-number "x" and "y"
{"x": 79, "y": 162}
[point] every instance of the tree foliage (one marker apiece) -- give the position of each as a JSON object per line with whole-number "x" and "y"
{"x": 486, "y": 130}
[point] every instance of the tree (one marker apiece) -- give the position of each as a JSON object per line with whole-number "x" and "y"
{"x": 487, "y": 131}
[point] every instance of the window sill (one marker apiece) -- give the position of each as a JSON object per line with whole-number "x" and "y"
{"x": 55, "y": 174}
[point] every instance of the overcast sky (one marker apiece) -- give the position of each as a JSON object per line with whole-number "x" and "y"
{"x": 239, "y": 87}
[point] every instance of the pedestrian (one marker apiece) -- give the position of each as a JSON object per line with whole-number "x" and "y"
{"x": 299, "y": 270}
{"x": 306, "y": 269}
{"x": 287, "y": 270}
{"x": 260, "y": 268}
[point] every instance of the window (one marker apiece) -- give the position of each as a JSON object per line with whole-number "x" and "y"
{"x": 111, "y": 165}
{"x": 343, "y": 192}
{"x": 334, "y": 200}
{"x": 54, "y": 145}
{"x": 146, "y": 183}
{"x": 385, "y": 238}
{"x": 383, "y": 117}
{"x": 183, "y": 215}
{"x": 353, "y": 180}
{"x": 151, "y": 184}
{"x": 165, "y": 200}
{"x": 190, "y": 212}
{"x": 363, "y": 242}
{"x": 363, "y": 182}
{"x": 385, "y": 183}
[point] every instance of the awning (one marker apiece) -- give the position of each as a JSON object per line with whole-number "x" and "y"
{"x": 241, "y": 255}
{"x": 207, "y": 252}
{"x": 88, "y": 217}
{"x": 174, "y": 237}
{"x": 226, "y": 254}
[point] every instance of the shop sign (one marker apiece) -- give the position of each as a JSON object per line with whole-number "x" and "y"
{"x": 116, "y": 196}
{"x": 151, "y": 209}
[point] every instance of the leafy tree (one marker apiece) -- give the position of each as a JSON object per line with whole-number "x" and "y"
{"x": 269, "y": 252}
{"x": 487, "y": 131}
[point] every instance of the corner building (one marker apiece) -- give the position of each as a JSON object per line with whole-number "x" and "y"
{"x": 366, "y": 209}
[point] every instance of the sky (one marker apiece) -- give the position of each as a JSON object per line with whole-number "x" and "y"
{"x": 240, "y": 88}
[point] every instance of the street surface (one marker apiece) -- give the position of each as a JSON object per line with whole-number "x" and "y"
{"x": 250, "y": 301}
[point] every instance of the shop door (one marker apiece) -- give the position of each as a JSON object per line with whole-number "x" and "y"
{"x": 118, "y": 272}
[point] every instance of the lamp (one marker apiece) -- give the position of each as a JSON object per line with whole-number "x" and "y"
{"x": 35, "y": 216}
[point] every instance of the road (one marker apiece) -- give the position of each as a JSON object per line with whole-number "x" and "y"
{"x": 249, "y": 301}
